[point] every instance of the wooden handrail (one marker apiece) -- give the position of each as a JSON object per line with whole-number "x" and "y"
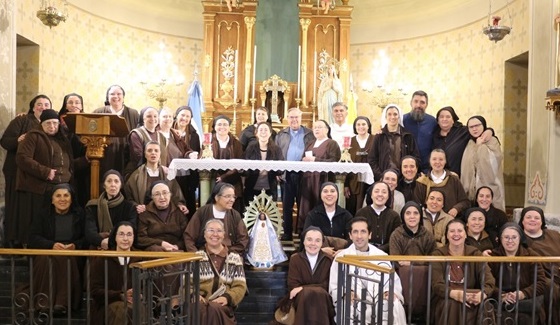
{"x": 354, "y": 261}
{"x": 422, "y": 258}
{"x": 96, "y": 253}
{"x": 166, "y": 261}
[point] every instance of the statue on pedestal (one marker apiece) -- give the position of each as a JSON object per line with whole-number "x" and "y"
{"x": 330, "y": 92}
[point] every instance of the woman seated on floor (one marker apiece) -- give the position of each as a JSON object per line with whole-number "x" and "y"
{"x": 119, "y": 288}
{"x": 220, "y": 206}
{"x": 160, "y": 229}
{"x": 308, "y": 281}
{"x": 518, "y": 285}
{"x": 449, "y": 280}
{"x": 59, "y": 227}
{"x": 222, "y": 278}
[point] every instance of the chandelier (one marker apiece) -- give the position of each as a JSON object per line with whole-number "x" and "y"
{"x": 385, "y": 88}
{"x": 163, "y": 77}
{"x": 495, "y": 31}
{"x": 553, "y": 100}
{"x": 50, "y": 15}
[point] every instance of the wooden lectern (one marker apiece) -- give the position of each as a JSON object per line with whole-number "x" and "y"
{"x": 95, "y": 131}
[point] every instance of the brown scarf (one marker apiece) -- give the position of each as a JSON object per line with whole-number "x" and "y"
{"x": 103, "y": 205}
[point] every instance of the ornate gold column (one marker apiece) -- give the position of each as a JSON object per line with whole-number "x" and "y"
{"x": 249, "y": 23}
{"x": 207, "y": 72}
{"x": 95, "y": 148}
{"x": 344, "y": 54}
{"x": 304, "y": 22}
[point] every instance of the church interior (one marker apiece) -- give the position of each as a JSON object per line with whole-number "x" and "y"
{"x": 383, "y": 51}
{"x": 402, "y": 46}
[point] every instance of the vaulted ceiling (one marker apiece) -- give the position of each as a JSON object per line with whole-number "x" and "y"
{"x": 372, "y": 20}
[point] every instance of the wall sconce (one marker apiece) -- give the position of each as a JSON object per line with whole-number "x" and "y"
{"x": 495, "y": 31}
{"x": 50, "y": 15}
{"x": 553, "y": 100}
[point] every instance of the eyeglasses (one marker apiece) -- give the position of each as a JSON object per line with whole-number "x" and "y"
{"x": 214, "y": 231}
{"x": 125, "y": 234}
{"x": 53, "y": 123}
{"x": 512, "y": 238}
{"x": 475, "y": 126}
{"x": 229, "y": 197}
{"x": 162, "y": 194}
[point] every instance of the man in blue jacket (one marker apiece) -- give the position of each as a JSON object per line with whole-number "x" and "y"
{"x": 421, "y": 125}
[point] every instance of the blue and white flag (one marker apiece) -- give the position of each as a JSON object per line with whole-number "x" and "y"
{"x": 196, "y": 103}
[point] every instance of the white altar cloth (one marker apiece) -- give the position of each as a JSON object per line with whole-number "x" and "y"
{"x": 362, "y": 169}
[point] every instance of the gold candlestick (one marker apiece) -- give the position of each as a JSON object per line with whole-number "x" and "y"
{"x": 207, "y": 152}
{"x": 253, "y": 101}
{"x": 313, "y": 108}
{"x": 298, "y": 102}
{"x": 233, "y": 126}
{"x": 345, "y": 156}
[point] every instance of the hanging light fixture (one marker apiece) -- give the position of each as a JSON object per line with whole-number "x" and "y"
{"x": 495, "y": 31}
{"x": 553, "y": 95}
{"x": 50, "y": 15}
{"x": 385, "y": 85}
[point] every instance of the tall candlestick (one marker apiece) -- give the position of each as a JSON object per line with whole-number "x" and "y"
{"x": 254, "y": 73}
{"x": 298, "y": 70}
{"x": 235, "y": 80}
{"x": 315, "y": 77}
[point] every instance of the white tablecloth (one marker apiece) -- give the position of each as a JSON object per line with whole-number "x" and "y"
{"x": 362, "y": 169}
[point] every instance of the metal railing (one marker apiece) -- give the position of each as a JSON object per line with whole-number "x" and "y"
{"x": 361, "y": 286}
{"x": 358, "y": 274}
{"x": 163, "y": 286}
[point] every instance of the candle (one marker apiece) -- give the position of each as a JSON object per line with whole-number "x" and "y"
{"x": 255, "y": 72}
{"x": 315, "y": 77}
{"x": 207, "y": 138}
{"x": 346, "y": 144}
{"x": 298, "y": 70}
{"x": 235, "y": 80}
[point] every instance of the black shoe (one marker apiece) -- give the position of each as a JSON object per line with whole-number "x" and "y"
{"x": 59, "y": 310}
{"x": 287, "y": 237}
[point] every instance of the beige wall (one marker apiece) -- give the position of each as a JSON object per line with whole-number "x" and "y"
{"x": 7, "y": 75}
{"x": 87, "y": 53}
{"x": 460, "y": 67}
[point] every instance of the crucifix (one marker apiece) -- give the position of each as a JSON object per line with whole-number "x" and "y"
{"x": 274, "y": 86}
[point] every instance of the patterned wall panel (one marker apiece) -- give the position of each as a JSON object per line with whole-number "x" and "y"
{"x": 460, "y": 68}
{"x": 27, "y": 76}
{"x": 88, "y": 53}
{"x": 515, "y": 125}
{"x": 463, "y": 69}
